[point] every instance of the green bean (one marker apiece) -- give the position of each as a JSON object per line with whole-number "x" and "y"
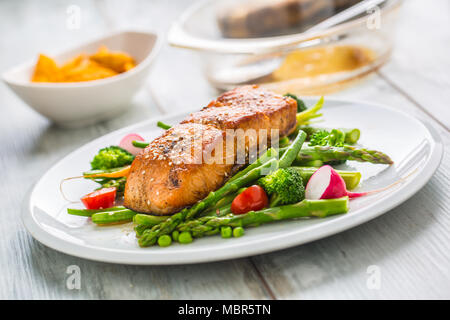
{"x": 113, "y": 216}
{"x": 90, "y": 212}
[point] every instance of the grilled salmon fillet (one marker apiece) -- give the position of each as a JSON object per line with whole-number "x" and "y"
{"x": 182, "y": 166}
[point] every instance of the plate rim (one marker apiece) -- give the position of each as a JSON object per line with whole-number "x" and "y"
{"x": 328, "y": 228}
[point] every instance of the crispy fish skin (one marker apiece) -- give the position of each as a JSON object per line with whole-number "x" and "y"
{"x": 175, "y": 170}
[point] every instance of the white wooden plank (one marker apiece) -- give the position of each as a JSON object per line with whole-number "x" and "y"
{"x": 420, "y": 64}
{"x": 409, "y": 244}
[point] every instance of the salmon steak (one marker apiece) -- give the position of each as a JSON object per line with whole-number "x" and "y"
{"x": 197, "y": 156}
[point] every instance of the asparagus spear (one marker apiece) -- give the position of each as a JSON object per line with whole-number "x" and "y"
{"x": 271, "y": 153}
{"x": 306, "y": 208}
{"x": 148, "y": 220}
{"x": 145, "y": 221}
{"x": 291, "y": 152}
{"x": 150, "y": 236}
{"x": 218, "y": 212}
{"x": 351, "y": 178}
{"x": 328, "y": 154}
{"x": 223, "y": 206}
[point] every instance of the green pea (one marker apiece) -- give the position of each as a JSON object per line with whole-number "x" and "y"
{"x": 164, "y": 241}
{"x": 185, "y": 237}
{"x": 238, "y": 232}
{"x": 226, "y": 232}
{"x": 175, "y": 235}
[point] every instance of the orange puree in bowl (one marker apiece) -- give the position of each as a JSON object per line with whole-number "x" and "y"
{"x": 324, "y": 60}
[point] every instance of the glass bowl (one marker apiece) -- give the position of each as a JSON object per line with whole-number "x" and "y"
{"x": 287, "y": 45}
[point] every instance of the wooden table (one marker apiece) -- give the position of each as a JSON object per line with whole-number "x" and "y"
{"x": 409, "y": 244}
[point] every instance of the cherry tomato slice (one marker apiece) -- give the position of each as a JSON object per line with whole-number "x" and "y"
{"x": 100, "y": 199}
{"x": 253, "y": 198}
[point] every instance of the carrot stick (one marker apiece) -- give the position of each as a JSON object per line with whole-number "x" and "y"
{"x": 122, "y": 172}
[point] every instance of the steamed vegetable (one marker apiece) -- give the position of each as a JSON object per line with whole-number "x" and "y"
{"x": 279, "y": 192}
{"x": 148, "y": 220}
{"x": 110, "y": 167}
{"x": 90, "y": 212}
{"x": 118, "y": 183}
{"x": 271, "y": 153}
{"x": 150, "y": 236}
{"x": 307, "y": 208}
{"x": 325, "y": 136}
{"x": 284, "y": 186}
{"x": 162, "y": 125}
{"x": 164, "y": 241}
{"x": 328, "y": 154}
{"x": 116, "y": 177}
{"x": 111, "y": 157}
{"x": 100, "y": 199}
{"x": 140, "y": 144}
{"x": 334, "y": 138}
{"x": 351, "y": 178}
{"x": 127, "y": 143}
{"x": 113, "y": 217}
{"x": 108, "y": 173}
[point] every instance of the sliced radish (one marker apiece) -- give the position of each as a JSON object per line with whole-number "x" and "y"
{"x": 127, "y": 143}
{"x": 326, "y": 183}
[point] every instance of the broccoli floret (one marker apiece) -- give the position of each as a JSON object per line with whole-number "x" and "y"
{"x": 111, "y": 157}
{"x": 300, "y": 104}
{"x": 284, "y": 186}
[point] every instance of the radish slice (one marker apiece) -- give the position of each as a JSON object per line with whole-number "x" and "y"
{"x": 326, "y": 183}
{"x": 127, "y": 143}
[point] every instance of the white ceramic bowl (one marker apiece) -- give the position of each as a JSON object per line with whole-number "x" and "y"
{"x": 79, "y": 104}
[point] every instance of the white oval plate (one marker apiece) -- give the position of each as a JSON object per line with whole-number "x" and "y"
{"x": 415, "y": 148}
